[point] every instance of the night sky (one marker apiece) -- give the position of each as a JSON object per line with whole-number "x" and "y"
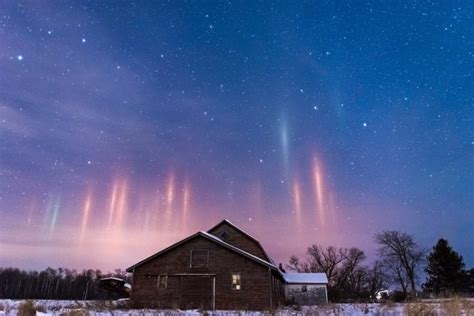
{"x": 126, "y": 126}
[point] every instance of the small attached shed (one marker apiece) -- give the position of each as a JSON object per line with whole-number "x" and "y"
{"x": 306, "y": 288}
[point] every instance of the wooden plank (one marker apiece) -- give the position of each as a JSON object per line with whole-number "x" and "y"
{"x": 254, "y": 294}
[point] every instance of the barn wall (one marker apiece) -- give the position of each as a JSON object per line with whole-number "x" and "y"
{"x": 240, "y": 240}
{"x": 255, "y": 279}
{"x": 278, "y": 290}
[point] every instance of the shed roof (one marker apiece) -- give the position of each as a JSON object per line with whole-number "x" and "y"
{"x": 306, "y": 278}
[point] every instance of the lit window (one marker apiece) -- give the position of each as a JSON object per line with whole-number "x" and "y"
{"x": 304, "y": 288}
{"x": 236, "y": 281}
{"x": 162, "y": 281}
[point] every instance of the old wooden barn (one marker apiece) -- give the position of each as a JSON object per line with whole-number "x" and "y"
{"x": 223, "y": 268}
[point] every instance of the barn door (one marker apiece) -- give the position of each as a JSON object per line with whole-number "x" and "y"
{"x": 196, "y": 292}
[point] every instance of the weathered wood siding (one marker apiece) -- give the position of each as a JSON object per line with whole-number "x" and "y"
{"x": 240, "y": 240}
{"x": 188, "y": 292}
{"x": 278, "y": 290}
{"x": 315, "y": 294}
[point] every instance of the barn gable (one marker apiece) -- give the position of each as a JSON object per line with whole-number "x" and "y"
{"x": 224, "y": 268}
{"x": 198, "y": 272}
{"x": 235, "y": 236}
{"x": 211, "y": 238}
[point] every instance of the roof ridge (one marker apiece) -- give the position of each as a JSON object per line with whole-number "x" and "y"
{"x": 235, "y": 226}
{"x": 210, "y": 237}
{"x": 225, "y": 220}
{"x": 237, "y": 248}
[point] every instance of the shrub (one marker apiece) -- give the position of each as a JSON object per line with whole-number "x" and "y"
{"x": 398, "y": 296}
{"x": 420, "y": 308}
{"x": 455, "y": 306}
{"x": 40, "y": 308}
{"x": 77, "y": 312}
{"x": 26, "y": 308}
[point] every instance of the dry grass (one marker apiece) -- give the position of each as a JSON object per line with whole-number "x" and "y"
{"x": 26, "y": 308}
{"x": 77, "y": 312}
{"x": 420, "y": 309}
{"x": 458, "y": 305}
{"x": 387, "y": 304}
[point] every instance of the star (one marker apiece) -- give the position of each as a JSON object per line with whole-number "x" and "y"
{"x": 187, "y": 135}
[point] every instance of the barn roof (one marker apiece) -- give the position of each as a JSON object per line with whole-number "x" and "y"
{"x": 236, "y": 249}
{"x": 306, "y": 278}
{"x": 226, "y": 221}
{"x": 209, "y": 237}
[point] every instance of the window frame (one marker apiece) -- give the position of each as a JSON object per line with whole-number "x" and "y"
{"x": 239, "y": 284}
{"x": 191, "y": 259}
{"x": 224, "y": 236}
{"x": 159, "y": 282}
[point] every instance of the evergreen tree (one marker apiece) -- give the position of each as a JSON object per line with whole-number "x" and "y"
{"x": 470, "y": 282}
{"x": 445, "y": 270}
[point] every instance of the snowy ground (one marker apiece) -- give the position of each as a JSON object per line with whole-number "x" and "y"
{"x": 448, "y": 307}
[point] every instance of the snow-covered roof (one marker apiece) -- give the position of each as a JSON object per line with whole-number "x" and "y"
{"x": 306, "y": 278}
{"x": 112, "y": 278}
{"x": 245, "y": 253}
{"x": 213, "y": 239}
{"x": 245, "y": 233}
{"x": 235, "y": 226}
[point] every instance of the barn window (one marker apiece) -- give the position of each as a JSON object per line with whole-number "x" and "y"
{"x": 199, "y": 258}
{"x": 236, "y": 281}
{"x": 162, "y": 281}
{"x": 304, "y": 288}
{"x": 224, "y": 235}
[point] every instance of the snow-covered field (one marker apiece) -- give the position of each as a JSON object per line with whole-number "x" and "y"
{"x": 448, "y": 307}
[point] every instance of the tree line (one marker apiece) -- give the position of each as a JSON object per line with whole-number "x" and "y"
{"x": 61, "y": 283}
{"x": 398, "y": 267}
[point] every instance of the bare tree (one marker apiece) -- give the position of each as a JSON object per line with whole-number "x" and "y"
{"x": 296, "y": 265}
{"x": 54, "y": 284}
{"x": 396, "y": 273}
{"x": 402, "y": 256}
{"x": 339, "y": 264}
{"x": 376, "y": 278}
